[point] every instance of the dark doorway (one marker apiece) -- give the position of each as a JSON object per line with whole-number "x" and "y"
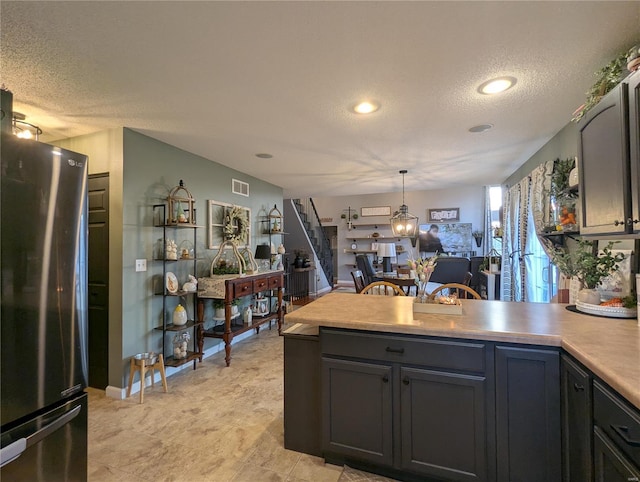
{"x": 99, "y": 280}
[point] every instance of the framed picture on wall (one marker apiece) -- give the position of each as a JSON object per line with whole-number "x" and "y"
{"x": 443, "y": 215}
{"x": 228, "y": 219}
{"x": 445, "y": 238}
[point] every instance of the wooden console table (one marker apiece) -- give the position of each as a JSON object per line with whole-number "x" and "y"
{"x": 236, "y": 288}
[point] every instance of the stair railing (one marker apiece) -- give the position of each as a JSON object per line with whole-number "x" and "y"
{"x": 315, "y": 231}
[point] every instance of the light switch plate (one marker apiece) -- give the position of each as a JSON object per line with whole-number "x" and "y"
{"x": 141, "y": 265}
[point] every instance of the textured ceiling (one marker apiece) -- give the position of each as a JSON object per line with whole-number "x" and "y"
{"x": 227, "y": 80}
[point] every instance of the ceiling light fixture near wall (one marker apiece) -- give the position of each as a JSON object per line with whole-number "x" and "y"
{"x": 403, "y": 224}
{"x": 264, "y": 155}
{"x": 366, "y": 107}
{"x": 23, "y": 129}
{"x": 495, "y": 86}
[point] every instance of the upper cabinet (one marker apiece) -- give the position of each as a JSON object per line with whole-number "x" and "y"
{"x": 608, "y": 163}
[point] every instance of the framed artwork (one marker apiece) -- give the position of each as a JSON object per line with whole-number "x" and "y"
{"x": 376, "y": 211}
{"x": 445, "y": 238}
{"x": 443, "y": 215}
{"x": 228, "y": 220}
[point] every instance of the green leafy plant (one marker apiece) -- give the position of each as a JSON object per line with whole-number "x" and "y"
{"x": 586, "y": 265}
{"x": 560, "y": 175}
{"x": 478, "y": 234}
{"x": 608, "y": 77}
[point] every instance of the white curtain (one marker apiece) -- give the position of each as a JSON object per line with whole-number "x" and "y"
{"x": 488, "y": 230}
{"x": 516, "y": 210}
{"x": 526, "y": 275}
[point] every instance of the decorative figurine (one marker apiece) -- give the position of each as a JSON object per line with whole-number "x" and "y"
{"x": 171, "y": 250}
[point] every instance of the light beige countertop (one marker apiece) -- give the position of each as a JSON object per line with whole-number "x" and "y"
{"x": 609, "y": 347}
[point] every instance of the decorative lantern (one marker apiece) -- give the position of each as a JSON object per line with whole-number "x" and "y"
{"x": 275, "y": 220}
{"x": 181, "y": 207}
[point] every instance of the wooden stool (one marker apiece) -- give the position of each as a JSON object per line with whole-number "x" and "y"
{"x": 142, "y": 363}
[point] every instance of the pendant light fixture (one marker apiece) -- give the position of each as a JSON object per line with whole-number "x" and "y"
{"x": 404, "y": 224}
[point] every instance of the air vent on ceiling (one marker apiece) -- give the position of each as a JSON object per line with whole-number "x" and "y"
{"x": 240, "y": 187}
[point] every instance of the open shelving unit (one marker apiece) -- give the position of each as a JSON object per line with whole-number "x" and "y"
{"x": 184, "y": 266}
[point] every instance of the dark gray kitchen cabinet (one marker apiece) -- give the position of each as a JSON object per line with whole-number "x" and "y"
{"x": 577, "y": 421}
{"x": 608, "y": 162}
{"x": 633, "y": 221}
{"x": 443, "y": 419}
{"x": 528, "y": 414}
{"x": 302, "y": 401}
{"x": 357, "y": 410}
{"x": 610, "y": 464}
{"x": 409, "y": 405}
{"x": 616, "y": 436}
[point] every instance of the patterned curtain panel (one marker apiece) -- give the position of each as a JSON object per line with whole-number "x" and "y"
{"x": 540, "y": 201}
{"x": 488, "y": 232}
{"x": 516, "y": 206}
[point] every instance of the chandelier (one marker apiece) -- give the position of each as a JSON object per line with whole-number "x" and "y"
{"x": 404, "y": 224}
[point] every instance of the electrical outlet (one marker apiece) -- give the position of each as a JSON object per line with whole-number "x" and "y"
{"x": 141, "y": 265}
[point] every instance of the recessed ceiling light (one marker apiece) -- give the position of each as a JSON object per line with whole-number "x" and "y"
{"x": 495, "y": 86}
{"x": 264, "y": 155}
{"x": 481, "y": 128}
{"x": 366, "y": 107}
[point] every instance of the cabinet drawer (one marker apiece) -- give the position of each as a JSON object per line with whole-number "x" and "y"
{"x": 620, "y": 422}
{"x": 274, "y": 282}
{"x": 260, "y": 285}
{"x": 453, "y": 355}
{"x": 242, "y": 288}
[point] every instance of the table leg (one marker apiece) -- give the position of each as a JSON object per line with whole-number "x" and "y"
{"x": 200, "y": 330}
{"x": 132, "y": 371}
{"x": 228, "y": 334}
{"x": 279, "y": 310}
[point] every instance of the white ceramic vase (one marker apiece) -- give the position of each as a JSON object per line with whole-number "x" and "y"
{"x": 589, "y": 296}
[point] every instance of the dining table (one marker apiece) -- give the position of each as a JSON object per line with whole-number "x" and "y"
{"x": 407, "y": 282}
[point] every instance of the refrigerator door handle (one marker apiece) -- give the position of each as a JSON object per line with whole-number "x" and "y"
{"x": 14, "y": 450}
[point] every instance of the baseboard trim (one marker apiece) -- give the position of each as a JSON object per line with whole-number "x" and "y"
{"x": 121, "y": 393}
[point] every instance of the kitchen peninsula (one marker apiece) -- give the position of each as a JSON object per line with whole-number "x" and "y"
{"x": 491, "y": 394}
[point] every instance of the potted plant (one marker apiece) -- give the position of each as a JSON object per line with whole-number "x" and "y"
{"x": 218, "y": 306}
{"x": 589, "y": 267}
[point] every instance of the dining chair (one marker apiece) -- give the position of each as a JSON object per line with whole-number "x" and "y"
{"x": 358, "y": 280}
{"x": 382, "y": 288}
{"x": 451, "y": 269}
{"x": 364, "y": 264}
{"x": 458, "y": 288}
{"x": 405, "y": 273}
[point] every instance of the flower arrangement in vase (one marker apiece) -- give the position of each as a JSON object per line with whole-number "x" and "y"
{"x": 423, "y": 269}
{"x": 587, "y": 266}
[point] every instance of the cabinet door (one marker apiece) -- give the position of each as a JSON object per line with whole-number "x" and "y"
{"x": 577, "y": 422}
{"x": 357, "y": 411}
{"x": 634, "y": 146}
{"x": 528, "y": 414}
{"x": 609, "y": 464}
{"x": 603, "y": 159}
{"x": 443, "y": 423}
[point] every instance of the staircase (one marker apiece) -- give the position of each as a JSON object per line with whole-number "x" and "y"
{"x": 313, "y": 227}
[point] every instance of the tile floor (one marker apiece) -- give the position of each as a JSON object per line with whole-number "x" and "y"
{"x": 215, "y": 424}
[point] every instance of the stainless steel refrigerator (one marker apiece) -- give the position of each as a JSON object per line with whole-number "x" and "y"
{"x": 43, "y": 344}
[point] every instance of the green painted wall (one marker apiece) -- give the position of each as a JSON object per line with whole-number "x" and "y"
{"x": 151, "y": 170}
{"x": 142, "y": 171}
{"x": 563, "y": 146}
